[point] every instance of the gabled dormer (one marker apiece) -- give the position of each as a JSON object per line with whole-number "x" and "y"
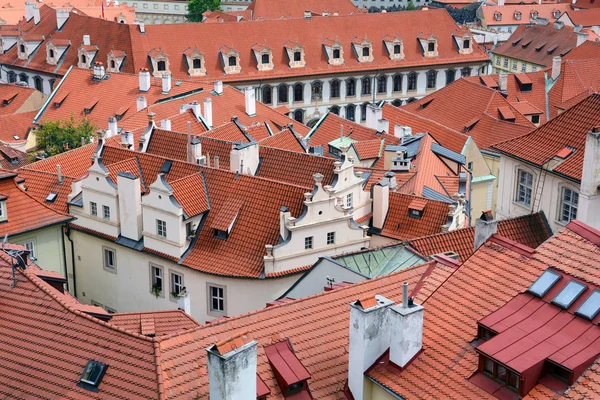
{"x": 518, "y": 15}
{"x": 264, "y": 57}
{"x": 295, "y": 53}
{"x": 334, "y": 51}
{"x": 429, "y": 44}
{"x": 497, "y": 16}
{"x": 159, "y": 62}
{"x": 27, "y": 44}
{"x": 55, "y": 48}
{"x": 363, "y": 48}
{"x": 115, "y": 60}
{"x": 194, "y": 60}
{"x": 464, "y": 42}
{"x": 230, "y": 58}
{"x": 8, "y": 40}
{"x": 394, "y": 46}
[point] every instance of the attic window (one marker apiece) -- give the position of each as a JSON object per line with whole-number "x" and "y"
{"x": 589, "y": 309}
{"x": 265, "y": 59}
{"x": 92, "y": 375}
{"x": 291, "y": 375}
{"x": 551, "y": 49}
{"x": 297, "y": 56}
{"x": 197, "y": 63}
{"x": 466, "y": 44}
{"x": 219, "y": 234}
{"x": 232, "y": 61}
{"x": 336, "y": 54}
{"x": 397, "y": 49}
{"x": 51, "y": 197}
{"x": 544, "y": 283}
{"x": 569, "y": 294}
{"x": 518, "y": 16}
{"x": 498, "y": 16}
{"x": 366, "y": 51}
{"x": 161, "y": 65}
{"x": 431, "y": 46}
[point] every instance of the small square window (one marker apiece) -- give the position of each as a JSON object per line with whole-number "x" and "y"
{"x": 176, "y": 6}
{"x": 156, "y": 6}
{"x": 110, "y": 259}
{"x": 93, "y": 209}
{"x": 297, "y": 56}
{"x": 308, "y": 242}
{"x": 535, "y": 119}
{"x": 470, "y": 166}
{"x": 349, "y": 200}
{"x": 431, "y": 47}
{"x": 523, "y": 67}
{"x": 145, "y": 5}
{"x": 330, "y": 237}
{"x": 161, "y": 228}
{"x": 92, "y": 374}
{"x": 265, "y": 58}
{"x": 514, "y": 65}
{"x": 176, "y": 285}
{"x": 216, "y": 299}
{"x": 396, "y": 49}
{"x": 336, "y": 54}
{"x": 166, "y": 6}
{"x": 106, "y": 212}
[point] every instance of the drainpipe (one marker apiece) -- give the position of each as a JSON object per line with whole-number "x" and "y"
{"x": 62, "y": 239}
{"x": 68, "y": 234}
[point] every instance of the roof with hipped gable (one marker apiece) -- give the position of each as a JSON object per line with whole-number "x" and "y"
{"x": 522, "y": 14}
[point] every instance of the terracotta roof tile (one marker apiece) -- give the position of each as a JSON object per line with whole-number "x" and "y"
{"x": 274, "y": 9}
{"x": 509, "y": 14}
{"x": 13, "y": 97}
{"x": 74, "y": 163}
{"x": 295, "y": 168}
{"x": 165, "y": 322}
{"x": 40, "y": 184}
{"x": 171, "y": 145}
{"x": 15, "y": 128}
{"x": 191, "y": 194}
{"x": 368, "y": 149}
{"x": 284, "y": 140}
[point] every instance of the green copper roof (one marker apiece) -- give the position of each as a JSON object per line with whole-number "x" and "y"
{"x": 382, "y": 261}
{"x": 343, "y": 141}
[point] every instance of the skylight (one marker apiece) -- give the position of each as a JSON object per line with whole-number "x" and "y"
{"x": 51, "y": 197}
{"x": 589, "y": 309}
{"x": 569, "y": 294}
{"x": 544, "y": 283}
{"x": 92, "y": 374}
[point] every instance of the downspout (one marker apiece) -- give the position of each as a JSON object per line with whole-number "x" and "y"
{"x": 62, "y": 239}
{"x": 546, "y": 91}
{"x": 68, "y": 234}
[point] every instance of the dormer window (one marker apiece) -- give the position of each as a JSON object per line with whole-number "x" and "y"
{"x": 466, "y": 44}
{"x": 83, "y": 59}
{"x": 334, "y": 51}
{"x": 363, "y": 49}
{"x": 297, "y": 56}
{"x": 365, "y": 52}
{"x": 430, "y": 46}
{"x": 23, "y": 54}
{"x": 534, "y": 14}
{"x": 518, "y": 15}
{"x": 556, "y": 14}
{"x": 115, "y": 60}
{"x": 161, "y": 66}
{"x": 195, "y": 62}
{"x": 160, "y": 63}
{"x": 295, "y": 53}
{"x": 3, "y": 213}
{"x": 51, "y": 53}
{"x": 85, "y": 56}
{"x": 397, "y": 49}
{"x": 498, "y": 16}
{"x": 92, "y": 375}
{"x": 264, "y": 57}
{"x": 231, "y": 60}
{"x": 22, "y": 48}
{"x": 394, "y": 47}
{"x": 336, "y": 54}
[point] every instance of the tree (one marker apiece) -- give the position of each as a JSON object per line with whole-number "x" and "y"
{"x": 410, "y": 6}
{"x": 55, "y": 137}
{"x": 197, "y": 7}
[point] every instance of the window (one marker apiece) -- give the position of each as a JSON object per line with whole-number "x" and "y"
{"x": 431, "y": 79}
{"x": 535, "y": 119}
{"x": 466, "y": 71}
{"x": 299, "y": 115}
{"x": 317, "y": 90}
{"x": 506, "y": 63}
{"x": 267, "y": 95}
{"x": 110, "y": 259}
{"x": 22, "y": 48}
{"x": 466, "y": 44}
{"x": 216, "y": 299}
{"x": 232, "y": 61}
{"x": 264, "y": 58}
{"x": 161, "y": 228}
{"x": 382, "y": 84}
{"x": 349, "y": 200}
{"x": 470, "y": 165}
{"x": 161, "y": 65}
{"x": 533, "y": 68}
{"x": 197, "y": 63}
{"x": 365, "y": 52}
{"x": 156, "y": 280}
{"x": 397, "y": 49}
{"x": 38, "y": 84}
{"x": 330, "y": 237}
{"x": 176, "y": 284}
{"x": 412, "y": 81}
{"x": 523, "y": 67}
{"x": 514, "y": 65}
{"x": 366, "y": 85}
{"x": 336, "y": 54}
{"x": 93, "y": 209}
{"x": 92, "y": 373}
{"x": 350, "y": 112}
{"x": 12, "y": 77}
{"x": 23, "y": 78}
{"x": 83, "y": 59}
{"x": 335, "y": 110}
{"x": 297, "y": 56}
{"x": 500, "y": 374}
{"x": 308, "y": 242}
{"x": 335, "y": 89}
{"x": 363, "y": 111}
{"x": 113, "y": 65}
{"x": 298, "y": 92}
{"x": 190, "y": 230}
{"x": 351, "y": 87}
{"x": 450, "y": 76}
{"x": 430, "y": 47}
{"x": 524, "y": 188}
{"x": 106, "y": 212}
{"x": 30, "y": 246}
{"x": 283, "y": 93}
{"x": 498, "y": 61}
{"x": 397, "y": 83}
{"x": 568, "y": 208}
{"x": 51, "y": 53}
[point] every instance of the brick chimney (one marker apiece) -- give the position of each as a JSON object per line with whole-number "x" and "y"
{"x": 589, "y": 197}
{"x": 374, "y": 114}
{"x": 485, "y": 227}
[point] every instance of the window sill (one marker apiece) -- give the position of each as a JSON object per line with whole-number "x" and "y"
{"x": 522, "y": 206}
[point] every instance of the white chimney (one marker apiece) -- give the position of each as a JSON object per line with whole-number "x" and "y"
{"x": 369, "y": 338}
{"x": 197, "y": 156}
{"x": 503, "y": 82}
{"x": 141, "y": 103}
{"x": 398, "y": 131}
{"x": 374, "y": 114}
{"x": 381, "y": 202}
{"x": 144, "y": 80}
{"x": 383, "y": 125}
{"x": 142, "y": 27}
{"x": 208, "y": 112}
{"x": 485, "y": 227}
{"x": 130, "y": 205}
{"x": 62, "y": 15}
{"x": 232, "y": 373}
{"x": 250, "y": 95}
{"x": 194, "y": 106}
{"x": 307, "y": 14}
{"x": 588, "y": 208}
{"x": 165, "y": 124}
{"x": 219, "y": 87}
{"x": 126, "y": 139}
{"x": 244, "y": 158}
{"x": 166, "y": 83}
{"x": 99, "y": 71}
{"x": 113, "y": 130}
{"x": 406, "y": 321}
{"x": 183, "y": 302}
{"x": 556, "y": 62}
{"x": 86, "y": 40}
{"x": 216, "y": 162}
{"x": 29, "y": 5}
{"x": 59, "y": 174}
{"x": 581, "y": 38}
{"x": 500, "y": 2}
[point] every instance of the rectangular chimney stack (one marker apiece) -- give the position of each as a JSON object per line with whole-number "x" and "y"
{"x": 250, "y": 95}
{"x": 144, "y": 77}
{"x": 208, "y": 112}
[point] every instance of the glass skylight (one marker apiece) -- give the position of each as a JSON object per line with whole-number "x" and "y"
{"x": 544, "y": 283}
{"x": 569, "y": 294}
{"x": 589, "y": 309}
{"x": 93, "y": 373}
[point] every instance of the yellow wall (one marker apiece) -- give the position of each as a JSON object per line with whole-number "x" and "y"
{"x": 47, "y": 246}
{"x": 375, "y": 392}
{"x": 500, "y": 66}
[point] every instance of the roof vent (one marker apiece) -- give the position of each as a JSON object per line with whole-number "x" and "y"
{"x": 92, "y": 375}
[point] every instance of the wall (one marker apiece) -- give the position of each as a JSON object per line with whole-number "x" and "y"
{"x": 506, "y": 64}
{"x": 48, "y": 80}
{"x": 48, "y": 247}
{"x": 482, "y": 175}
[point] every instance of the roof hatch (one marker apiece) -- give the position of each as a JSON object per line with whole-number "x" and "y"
{"x": 291, "y": 375}
{"x": 544, "y": 283}
{"x": 92, "y": 375}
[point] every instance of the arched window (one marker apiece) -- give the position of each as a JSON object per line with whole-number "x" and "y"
{"x": 232, "y": 61}
{"x": 366, "y": 85}
{"x": 397, "y": 103}
{"x": 410, "y": 100}
{"x": 431, "y": 79}
{"x": 450, "y": 76}
{"x": 51, "y": 53}
{"x": 197, "y": 63}
{"x": 12, "y": 77}
{"x": 335, "y": 110}
{"x": 365, "y": 52}
{"x": 351, "y": 87}
{"x": 113, "y": 64}
{"x": 83, "y": 59}
{"x": 382, "y": 84}
{"x": 283, "y": 93}
{"x": 161, "y": 65}
{"x": 299, "y": 115}
{"x": 52, "y": 83}
{"x": 466, "y": 71}
{"x": 24, "y": 78}
{"x": 335, "y": 89}
{"x": 397, "y": 83}
{"x": 38, "y": 84}
{"x": 363, "y": 111}
{"x": 298, "y": 92}
{"x": 317, "y": 90}
{"x": 267, "y": 95}
{"x": 350, "y": 112}
{"x": 412, "y": 81}
{"x": 22, "y": 48}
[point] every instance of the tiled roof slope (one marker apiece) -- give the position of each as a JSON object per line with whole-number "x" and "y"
{"x": 12, "y": 97}
{"x": 310, "y": 33}
{"x": 284, "y": 140}
{"x": 191, "y": 194}
{"x": 275, "y": 9}
{"x": 569, "y": 128}
{"x": 39, "y": 184}
{"x": 526, "y": 39}
{"x": 74, "y": 163}
{"x": 508, "y": 13}
{"x": 164, "y": 322}
{"x": 167, "y": 144}
{"x": 585, "y": 4}
{"x": 585, "y": 51}
{"x": 12, "y": 159}
{"x": 577, "y": 80}
{"x": 530, "y": 230}
{"x": 585, "y": 18}
{"x": 295, "y": 168}
{"x": 24, "y": 212}
{"x": 15, "y": 128}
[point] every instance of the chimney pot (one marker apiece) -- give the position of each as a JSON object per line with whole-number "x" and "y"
{"x": 556, "y": 63}
{"x": 405, "y": 294}
{"x": 112, "y": 127}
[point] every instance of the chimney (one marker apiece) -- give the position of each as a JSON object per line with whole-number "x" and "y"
{"x": 374, "y": 114}
{"x": 381, "y": 201}
{"x": 307, "y": 14}
{"x": 239, "y": 18}
{"x": 503, "y": 82}
{"x": 141, "y": 103}
{"x": 183, "y": 302}
{"x": 208, "y": 112}
{"x": 581, "y": 38}
{"x": 194, "y": 106}
{"x": 577, "y": 28}
{"x": 112, "y": 127}
{"x": 130, "y": 205}
{"x": 166, "y": 83}
{"x": 219, "y": 87}
{"x": 500, "y": 2}
{"x": 197, "y": 156}
{"x": 485, "y": 227}
{"x": 165, "y": 124}
{"x": 86, "y": 40}
{"x": 216, "y": 162}
{"x": 399, "y": 131}
{"x": 558, "y": 25}
{"x": 250, "y": 101}
{"x": 144, "y": 80}
{"x": 59, "y": 174}
{"x": 369, "y": 338}
{"x": 406, "y": 321}
{"x": 284, "y": 216}
{"x": 588, "y": 208}
{"x": 62, "y": 15}
{"x": 383, "y": 125}
{"x": 99, "y": 71}
{"x": 126, "y": 139}
{"x": 244, "y": 158}
{"x": 556, "y": 62}
{"x": 29, "y": 10}
{"x": 232, "y": 368}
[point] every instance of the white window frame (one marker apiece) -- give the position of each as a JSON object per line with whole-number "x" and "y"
{"x": 153, "y": 277}
{"x": 569, "y": 204}
{"x": 518, "y": 188}
{"x": 106, "y": 265}
{"x": 93, "y": 209}
{"x": 106, "y": 212}
{"x": 308, "y": 242}
{"x": 173, "y": 284}
{"x": 30, "y": 245}
{"x": 330, "y": 238}
{"x": 161, "y": 228}
{"x": 209, "y": 298}
{"x": 349, "y": 200}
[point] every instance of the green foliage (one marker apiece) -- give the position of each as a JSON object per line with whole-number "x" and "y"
{"x": 55, "y": 137}
{"x": 197, "y": 7}
{"x": 410, "y": 6}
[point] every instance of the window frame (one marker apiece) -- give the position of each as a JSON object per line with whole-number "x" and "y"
{"x": 298, "y": 99}
{"x": 161, "y": 228}
{"x": 330, "y": 238}
{"x": 172, "y": 284}
{"x": 153, "y": 277}
{"x": 397, "y": 83}
{"x": 365, "y": 89}
{"x": 106, "y": 266}
{"x": 570, "y": 205}
{"x": 335, "y": 89}
{"x": 32, "y": 249}
{"x": 283, "y": 88}
{"x": 412, "y": 80}
{"x": 431, "y": 80}
{"x": 93, "y": 209}
{"x": 494, "y": 374}
{"x": 518, "y": 188}
{"x": 351, "y": 87}
{"x": 209, "y": 299}
{"x": 309, "y": 242}
{"x": 382, "y": 84}
{"x": 349, "y": 200}
{"x": 106, "y": 212}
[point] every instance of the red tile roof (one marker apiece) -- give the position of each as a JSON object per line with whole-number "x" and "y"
{"x": 12, "y": 159}
{"x": 12, "y": 97}
{"x": 39, "y": 184}
{"x": 295, "y": 168}
{"x": 284, "y": 140}
{"x": 171, "y": 145}
{"x": 15, "y": 128}
{"x": 74, "y": 163}
{"x": 165, "y": 322}
{"x": 575, "y": 82}
{"x": 569, "y": 128}
{"x": 369, "y": 149}
{"x": 509, "y": 11}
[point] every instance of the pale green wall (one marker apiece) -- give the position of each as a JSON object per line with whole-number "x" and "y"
{"x": 48, "y": 247}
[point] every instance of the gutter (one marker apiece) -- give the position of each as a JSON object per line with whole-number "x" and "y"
{"x": 43, "y": 109}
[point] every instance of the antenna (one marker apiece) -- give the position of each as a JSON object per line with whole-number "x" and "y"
{"x": 13, "y": 254}
{"x": 330, "y": 281}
